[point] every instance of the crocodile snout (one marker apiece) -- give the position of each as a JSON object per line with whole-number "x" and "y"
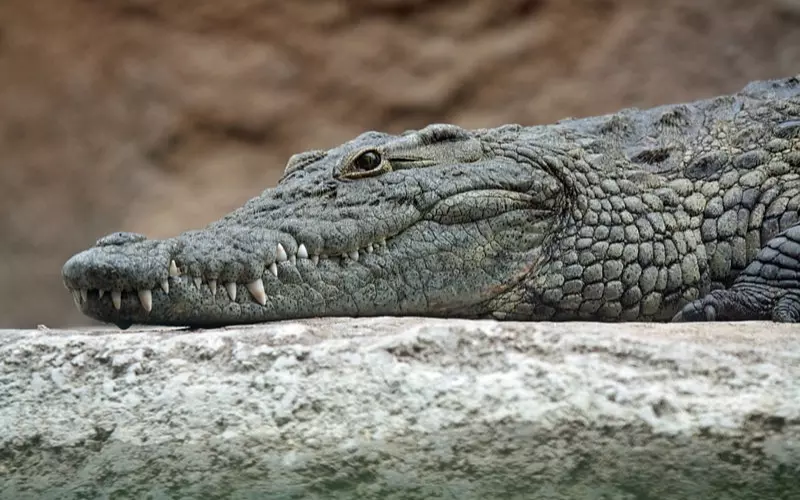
{"x": 119, "y": 266}
{"x": 199, "y": 278}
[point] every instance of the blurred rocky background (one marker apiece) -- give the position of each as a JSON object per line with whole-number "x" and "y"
{"x": 157, "y": 116}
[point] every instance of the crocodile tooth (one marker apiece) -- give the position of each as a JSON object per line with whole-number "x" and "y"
{"x": 370, "y": 248}
{"x": 293, "y": 260}
{"x": 231, "y": 287}
{"x": 354, "y": 255}
{"x": 84, "y": 294}
{"x": 173, "y": 269}
{"x": 198, "y": 281}
{"x": 274, "y": 269}
{"x": 281, "y": 254}
{"x": 146, "y": 298}
{"x": 116, "y": 299}
{"x": 256, "y": 288}
{"x": 315, "y": 259}
{"x": 302, "y": 252}
{"x": 212, "y": 284}
{"x": 165, "y": 285}
{"x": 100, "y": 294}
{"x": 76, "y": 297}
{"x": 383, "y": 241}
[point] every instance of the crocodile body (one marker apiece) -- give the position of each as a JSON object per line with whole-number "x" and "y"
{"x": 684, "y": 212}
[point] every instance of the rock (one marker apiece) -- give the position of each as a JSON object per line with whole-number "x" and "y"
{"x": 403, "y": 408}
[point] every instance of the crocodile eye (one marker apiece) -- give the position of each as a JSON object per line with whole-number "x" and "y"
{"x": 366, "y": 161}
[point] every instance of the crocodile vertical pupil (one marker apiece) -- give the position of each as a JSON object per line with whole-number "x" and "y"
{"x": 366, "y": 161}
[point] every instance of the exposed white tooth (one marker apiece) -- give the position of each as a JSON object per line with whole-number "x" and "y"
{"x": 302, "y": 252}
{"x": 315, "y": 259}
{"x": 100, "y": 294}
{"x": 293, "y": 260}
{"x": 256, "y": 288}
{"x": 173, "y": 269}
{"x": 212, "y": 284}
{"x": 76, "y": 297}
{"x": 146, "y": 298}
{"x": 274, "y": 269}
{"x": 383, "y": 241}
{"x": 231, "y": 288}
{"x": 84, "y": 294}
{"x": 116, "y": 299}
{"x": 370, "y": 248}
{"x": 281, "y": 254}
{"x": 165, "y": 285}
{"x": 354, "y": 255}
{"x": 198, "y": 281}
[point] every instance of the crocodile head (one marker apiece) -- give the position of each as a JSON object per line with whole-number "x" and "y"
{"x": 434, "y": 222}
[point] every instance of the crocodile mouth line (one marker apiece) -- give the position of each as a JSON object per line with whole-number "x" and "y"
{"x": 255, "y": 288}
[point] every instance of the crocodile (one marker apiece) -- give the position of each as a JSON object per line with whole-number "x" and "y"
{"x": 684, "y": 212}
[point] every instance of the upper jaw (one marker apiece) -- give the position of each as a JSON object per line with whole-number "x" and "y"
{"x": 190, "y": 279}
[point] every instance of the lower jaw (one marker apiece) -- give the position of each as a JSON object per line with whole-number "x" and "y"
{"x": 222, "y": 315}
{"x": 184, "y": 306}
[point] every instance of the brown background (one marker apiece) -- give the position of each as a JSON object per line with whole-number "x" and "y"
{"x": 158, "y": 116}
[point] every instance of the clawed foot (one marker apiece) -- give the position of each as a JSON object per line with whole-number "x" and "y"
{"x": 704, "y": 309}
{"x": 767, "y": 289}
{"x": 746, "y": 302}
{"x": 720, "y": 305}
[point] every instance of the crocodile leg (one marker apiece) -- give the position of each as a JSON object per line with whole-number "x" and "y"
{"x": 768, "y": 288}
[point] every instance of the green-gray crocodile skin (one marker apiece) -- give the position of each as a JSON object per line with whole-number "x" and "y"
{"x": 684, "y": 212}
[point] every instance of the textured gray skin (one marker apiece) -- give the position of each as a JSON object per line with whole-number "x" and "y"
{"x": 643, "y": 215}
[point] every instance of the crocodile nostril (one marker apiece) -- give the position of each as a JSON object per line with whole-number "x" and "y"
{"x": 119, "y": 239}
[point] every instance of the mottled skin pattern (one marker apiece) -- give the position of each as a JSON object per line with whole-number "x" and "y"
{"x": 687, "y": 212}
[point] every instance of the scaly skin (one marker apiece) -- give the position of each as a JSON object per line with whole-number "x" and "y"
{"x": 640, "y": 215}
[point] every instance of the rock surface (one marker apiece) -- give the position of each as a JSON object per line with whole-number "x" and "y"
{"x": 403, "y": 408}
{"x": 159, "y": 116}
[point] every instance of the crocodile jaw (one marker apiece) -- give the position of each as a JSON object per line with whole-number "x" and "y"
{"x": 112, "y": 284}
{"x": 144, "y": 281}
{"x": 445, "y": 227}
